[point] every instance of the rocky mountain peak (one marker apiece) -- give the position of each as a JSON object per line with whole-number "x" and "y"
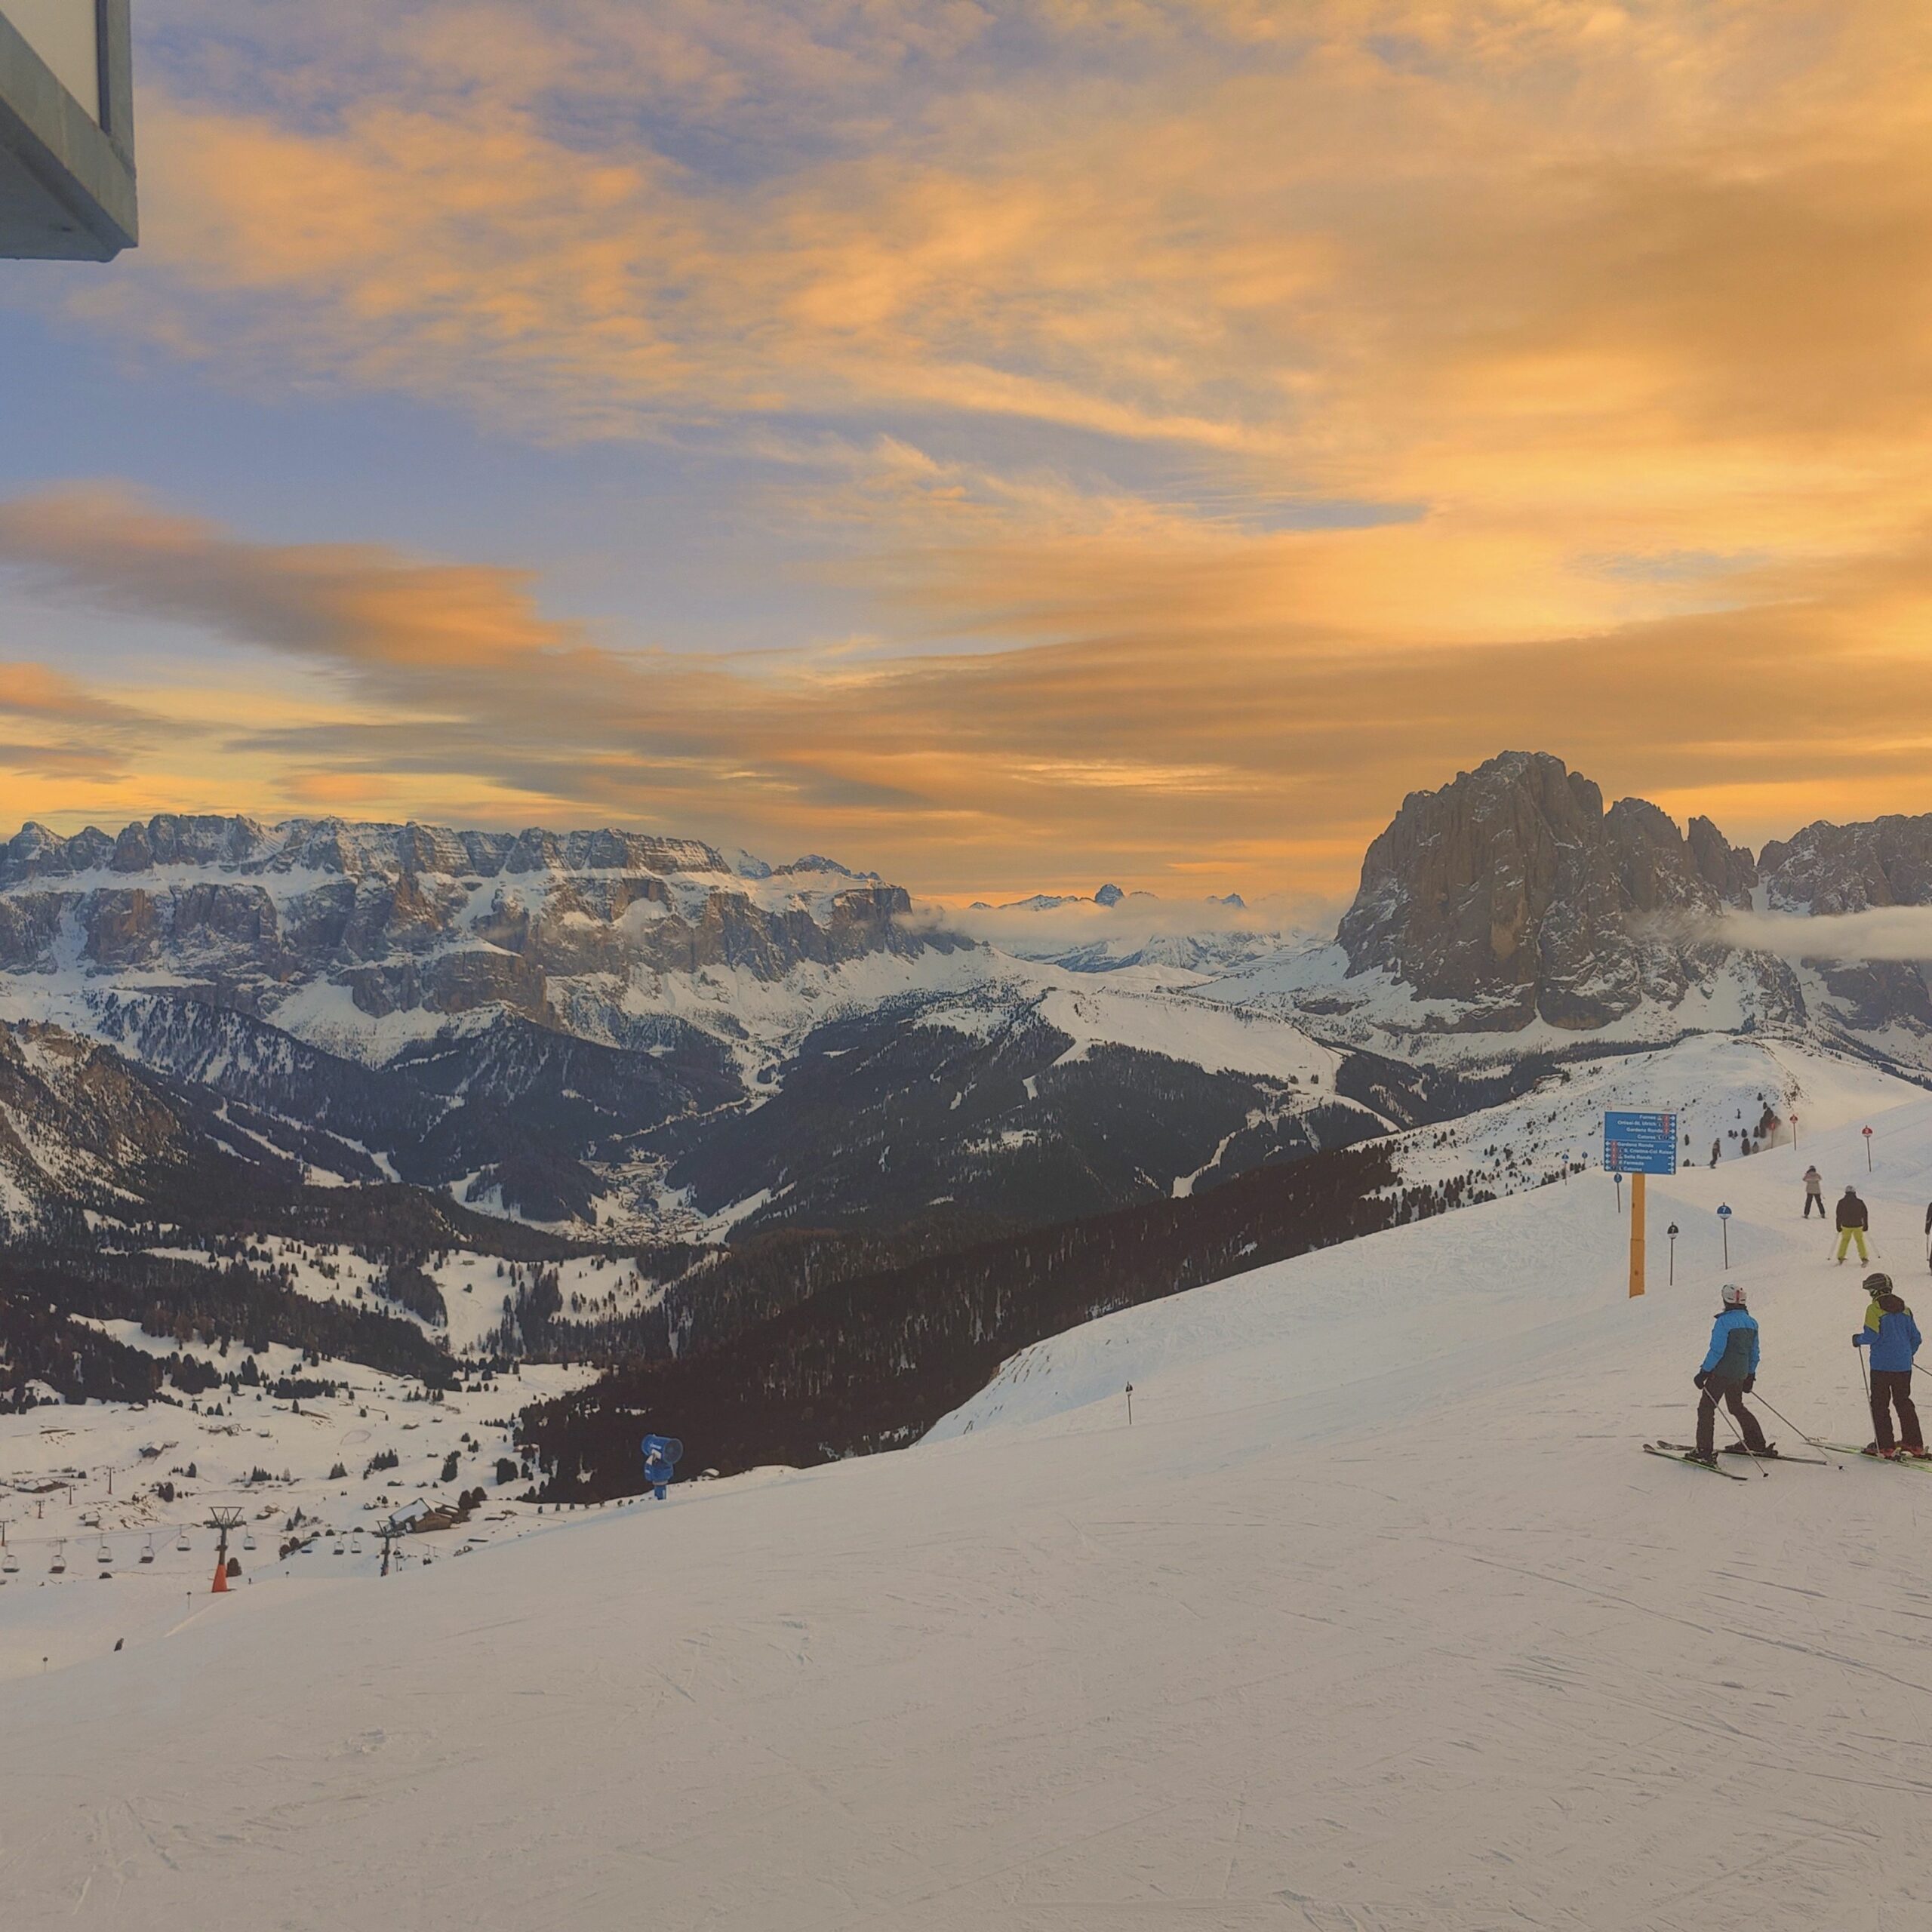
{"x": 1512, "y": 890}
{"x": 1827, "y": 869}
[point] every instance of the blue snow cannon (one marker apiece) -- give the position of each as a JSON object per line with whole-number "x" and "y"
{"x": 661, "y": 1455}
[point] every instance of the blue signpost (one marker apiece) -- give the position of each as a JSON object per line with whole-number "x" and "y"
{"x": 1637, "y": 1145}
{"x": 1640, "y": 1143}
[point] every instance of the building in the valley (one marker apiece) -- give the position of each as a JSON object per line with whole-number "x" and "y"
{"x": 67, "y": 129}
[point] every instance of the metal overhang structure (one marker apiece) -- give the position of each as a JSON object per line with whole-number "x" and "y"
{"x": 66, "y": 130}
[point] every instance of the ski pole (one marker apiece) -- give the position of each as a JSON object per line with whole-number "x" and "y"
{"x": 1723, "y": 1410}
{"x": 1787, "y": 1421}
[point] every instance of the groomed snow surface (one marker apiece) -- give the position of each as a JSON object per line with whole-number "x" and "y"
{"x": 1374, "y": 1619}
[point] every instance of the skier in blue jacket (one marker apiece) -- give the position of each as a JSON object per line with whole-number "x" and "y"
{"x": 1730, "y": 1370}
{"x": 1892, "y": 1336}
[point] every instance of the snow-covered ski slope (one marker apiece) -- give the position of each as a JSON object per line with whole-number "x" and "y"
{"x": 1375, "y": 1619}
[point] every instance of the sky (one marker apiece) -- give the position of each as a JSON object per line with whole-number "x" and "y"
{"x": 1007, "y": 444}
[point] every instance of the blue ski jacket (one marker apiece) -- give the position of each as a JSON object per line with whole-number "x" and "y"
{"x": 1733, "y": 1353}
{"x": 1890, "y": 1333}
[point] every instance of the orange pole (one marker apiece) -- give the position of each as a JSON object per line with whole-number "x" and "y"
{"x": 1636, "y": 1235}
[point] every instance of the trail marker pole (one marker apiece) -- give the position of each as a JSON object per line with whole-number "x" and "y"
{"x": 1867, "y": 1132}
{"x": 1671, "y": 1231}
{"x": 1724, "y": 1222}
{"x": 1636, "y": 1235}
{"x": 1130, "y": 1405}
{"x": 1638, "y": 1145}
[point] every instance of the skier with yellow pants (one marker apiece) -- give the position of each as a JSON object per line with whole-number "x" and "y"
{"x": 1853, "y": 1218}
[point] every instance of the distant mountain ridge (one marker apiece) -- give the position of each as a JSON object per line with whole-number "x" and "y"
{"x": 1511, "y": 903}
{"x": 354, "y": 848}
{"x": 603, "y": 1028}
{"x": 412, "y": 916}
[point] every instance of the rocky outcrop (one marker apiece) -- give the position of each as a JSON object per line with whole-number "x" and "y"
{"x": 404, "y": 917}
{"x": 1827, "y": 869}
{"x": 351, "y": 849}
{"x": 1513, "y": 894}
{"x": 1729, "y": 870}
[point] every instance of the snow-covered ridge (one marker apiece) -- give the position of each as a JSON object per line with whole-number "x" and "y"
{"x": 347, "y": 925}
{"x": 236, "y": 844}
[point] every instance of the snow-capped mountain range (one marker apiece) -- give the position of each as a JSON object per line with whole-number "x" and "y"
{"x": 390, "y": 1060}
{"x": 604, "y": 1030}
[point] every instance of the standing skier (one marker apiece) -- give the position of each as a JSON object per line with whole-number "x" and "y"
{"x": 1730, "y": 1371}
{"x": 1814, "y": 1197}
{"x": 1892, "y": 1337}
{"x": 1928, "y": 1235}
{"x": 1854, "y": 1219}
{"x": 1717, "y": 1148}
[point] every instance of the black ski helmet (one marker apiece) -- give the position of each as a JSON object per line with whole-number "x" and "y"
{"x": 1876, "y": 1285}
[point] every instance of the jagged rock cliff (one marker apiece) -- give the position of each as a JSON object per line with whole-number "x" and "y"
{"x": 1827, "y": 869}
{"x": 410, "y": 917}
{"x": 1513, "y": 892}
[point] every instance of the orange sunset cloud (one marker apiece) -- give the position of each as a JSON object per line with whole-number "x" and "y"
{"x": 1385, "y": 383}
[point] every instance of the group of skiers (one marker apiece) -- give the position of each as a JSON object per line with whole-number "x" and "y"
{"x": 1854, "y": 1219}
{"x": 1890, "y": 1335}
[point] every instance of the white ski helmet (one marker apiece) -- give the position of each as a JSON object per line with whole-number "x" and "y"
{"x": 1733, "y": 1296}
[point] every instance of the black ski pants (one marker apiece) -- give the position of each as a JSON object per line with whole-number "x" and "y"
{"x": 1892, "y": 1387}
{"x": 1817, "y": 1200}
{"x": 1732, "y": 1394}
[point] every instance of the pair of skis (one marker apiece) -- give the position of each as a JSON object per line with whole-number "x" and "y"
{"x": 1923, "y": 1464}
{"x": 1682, "y": 1452}
{"x": 1685, "y": 1452}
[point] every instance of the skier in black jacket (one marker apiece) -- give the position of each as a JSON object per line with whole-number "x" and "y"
{"x": 1853, "y": 1218}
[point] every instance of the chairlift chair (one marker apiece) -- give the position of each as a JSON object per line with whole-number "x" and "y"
{"x": 147, "y": 1554}
{"x": 58, "y": 1567}
{"x": 11, "y": 1565}
{"x": 106, "y": 1556}
{"x": 181, "y": 1542}
{"x": 248, "y": 1540}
